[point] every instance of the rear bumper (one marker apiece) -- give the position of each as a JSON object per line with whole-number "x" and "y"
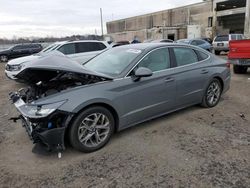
{"x": 221, "y": 48}
{"x": 241, "y": 62}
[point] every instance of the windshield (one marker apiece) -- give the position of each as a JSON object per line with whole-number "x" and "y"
{"x": 113, "y": 61}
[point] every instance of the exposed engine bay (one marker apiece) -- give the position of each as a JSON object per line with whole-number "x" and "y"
{"x": 48, "y": 82}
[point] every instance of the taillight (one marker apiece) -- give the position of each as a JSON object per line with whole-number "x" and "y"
{"x": 228, "y": 65}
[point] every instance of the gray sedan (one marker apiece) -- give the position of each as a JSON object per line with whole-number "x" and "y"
{"x": 117, "y": 89}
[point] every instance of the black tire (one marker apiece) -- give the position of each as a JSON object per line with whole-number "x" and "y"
{"x": 205, "y": 101}
{"x": 3, "y": 58}
{"x": 217, "y": 52}
{"x": 74, "y": 129}
{"x": 240, "y": 69}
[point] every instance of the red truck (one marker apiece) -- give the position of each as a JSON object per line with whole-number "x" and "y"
{"x": 239, "y": 55}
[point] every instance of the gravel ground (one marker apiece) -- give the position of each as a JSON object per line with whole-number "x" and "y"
{"x": 195, "y": 147}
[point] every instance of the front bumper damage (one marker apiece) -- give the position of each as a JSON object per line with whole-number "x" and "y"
{"x": 47, "y": 131}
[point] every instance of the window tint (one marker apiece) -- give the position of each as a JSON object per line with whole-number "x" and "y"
{"x": 202, "y": 56}
{"x": 197, "y": 42}
{"x": 194, "y": 42}
{"x": 222, "y": 38}
{"x": 239, "y": 37}
{"x": 18, "y": 47}
{"x": 101, "y": 46}
{"x": 233, "y": 37}
{"x": 89, "y": 46}
{"x": 156, "y": 60}
{"x": 67, "y": 49}
{"x": 200, "y": 42}
{"x": 36, "y": 46}
{"x": 185, "y": 56}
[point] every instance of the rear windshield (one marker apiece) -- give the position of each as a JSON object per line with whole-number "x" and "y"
{"x": 222, "y": 38}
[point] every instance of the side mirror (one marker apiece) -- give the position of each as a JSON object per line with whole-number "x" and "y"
{"x": 142, "y": 72}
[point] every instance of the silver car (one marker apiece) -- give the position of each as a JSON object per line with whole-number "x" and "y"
{"x": 221, "y": 42}
{"x": 117, "y": 89}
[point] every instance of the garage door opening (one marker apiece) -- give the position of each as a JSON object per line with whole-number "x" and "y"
{"x": 231, "y": 24}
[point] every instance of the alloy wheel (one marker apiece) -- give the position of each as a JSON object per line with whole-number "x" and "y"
{"x": 94, "y": 129}
{"x": 213, "y": 93}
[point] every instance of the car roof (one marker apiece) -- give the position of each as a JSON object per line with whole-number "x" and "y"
{"x": 150, "y": 46}
{"x": 73, "y": 41}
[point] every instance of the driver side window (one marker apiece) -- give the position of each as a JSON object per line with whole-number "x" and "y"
{"x": 156, "y": 60}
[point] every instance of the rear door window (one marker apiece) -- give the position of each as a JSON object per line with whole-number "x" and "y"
{"x": 89, "y": 46}
{"x": 222, "y": 38}
{"x": 194, "y": 42}
{"x": 197, "y": 42}
{"x": 18, "y": 47}
{"x": 68, "y": 49}
{"x": 201, "y": 55}
{"x": 200, "y": 42}
{"x": 185, "y": 56}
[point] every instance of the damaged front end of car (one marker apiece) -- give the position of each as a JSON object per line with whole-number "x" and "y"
{"x": 44, "y": 122}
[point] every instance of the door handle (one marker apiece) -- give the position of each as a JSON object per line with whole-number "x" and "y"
{"x": 170, "y": 79}
{"x": 204, "y": 71}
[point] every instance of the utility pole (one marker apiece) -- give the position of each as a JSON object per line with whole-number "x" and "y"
{"x": 101, "y": 21}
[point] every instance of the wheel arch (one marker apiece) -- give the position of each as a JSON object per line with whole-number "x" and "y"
{"x": 102, "y": 104}
{"x": 221, "y": 82}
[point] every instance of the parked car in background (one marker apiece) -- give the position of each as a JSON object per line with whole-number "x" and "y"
{"x": 197, "y": 42}
{"x": 80, "y": 51}
{"x": 239, "y": 55}
{"x": 117, "y": 89}
{"x": 221, "y": 42}
{"x": 162, "y": 40}
{"x": 119, "y": 43}
{"x": 19, "y": 51}
{"x": 210, "y": 41}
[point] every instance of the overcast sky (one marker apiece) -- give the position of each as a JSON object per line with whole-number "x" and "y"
{"x": 25, "y": 18}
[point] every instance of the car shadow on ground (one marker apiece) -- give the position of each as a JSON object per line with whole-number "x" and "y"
{"x": 141, "y": 127}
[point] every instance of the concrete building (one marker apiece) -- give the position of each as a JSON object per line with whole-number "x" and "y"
{"x": 205, "y": 19}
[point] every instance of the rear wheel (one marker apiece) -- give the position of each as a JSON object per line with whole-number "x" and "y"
{"x": 217, "y": 52}
{"x": 212, "y": 94}
{"x": 240, "y": 69}
{"x": 92, "y": 129}
{"x": 3, "y": 58}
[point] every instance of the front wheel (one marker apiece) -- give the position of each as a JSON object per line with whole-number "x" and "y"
{"x": 92, "y": 129}
{"x": 212, "y": 94}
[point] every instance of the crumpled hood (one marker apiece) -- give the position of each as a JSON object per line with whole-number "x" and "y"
{"x": 36, "y": 70}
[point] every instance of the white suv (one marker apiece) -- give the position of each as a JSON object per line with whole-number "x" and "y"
{"x": 221, "y": 42}
{"x": 80, "y": 51}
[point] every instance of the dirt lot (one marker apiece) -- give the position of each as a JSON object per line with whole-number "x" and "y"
{"x": 195, "y": 147}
